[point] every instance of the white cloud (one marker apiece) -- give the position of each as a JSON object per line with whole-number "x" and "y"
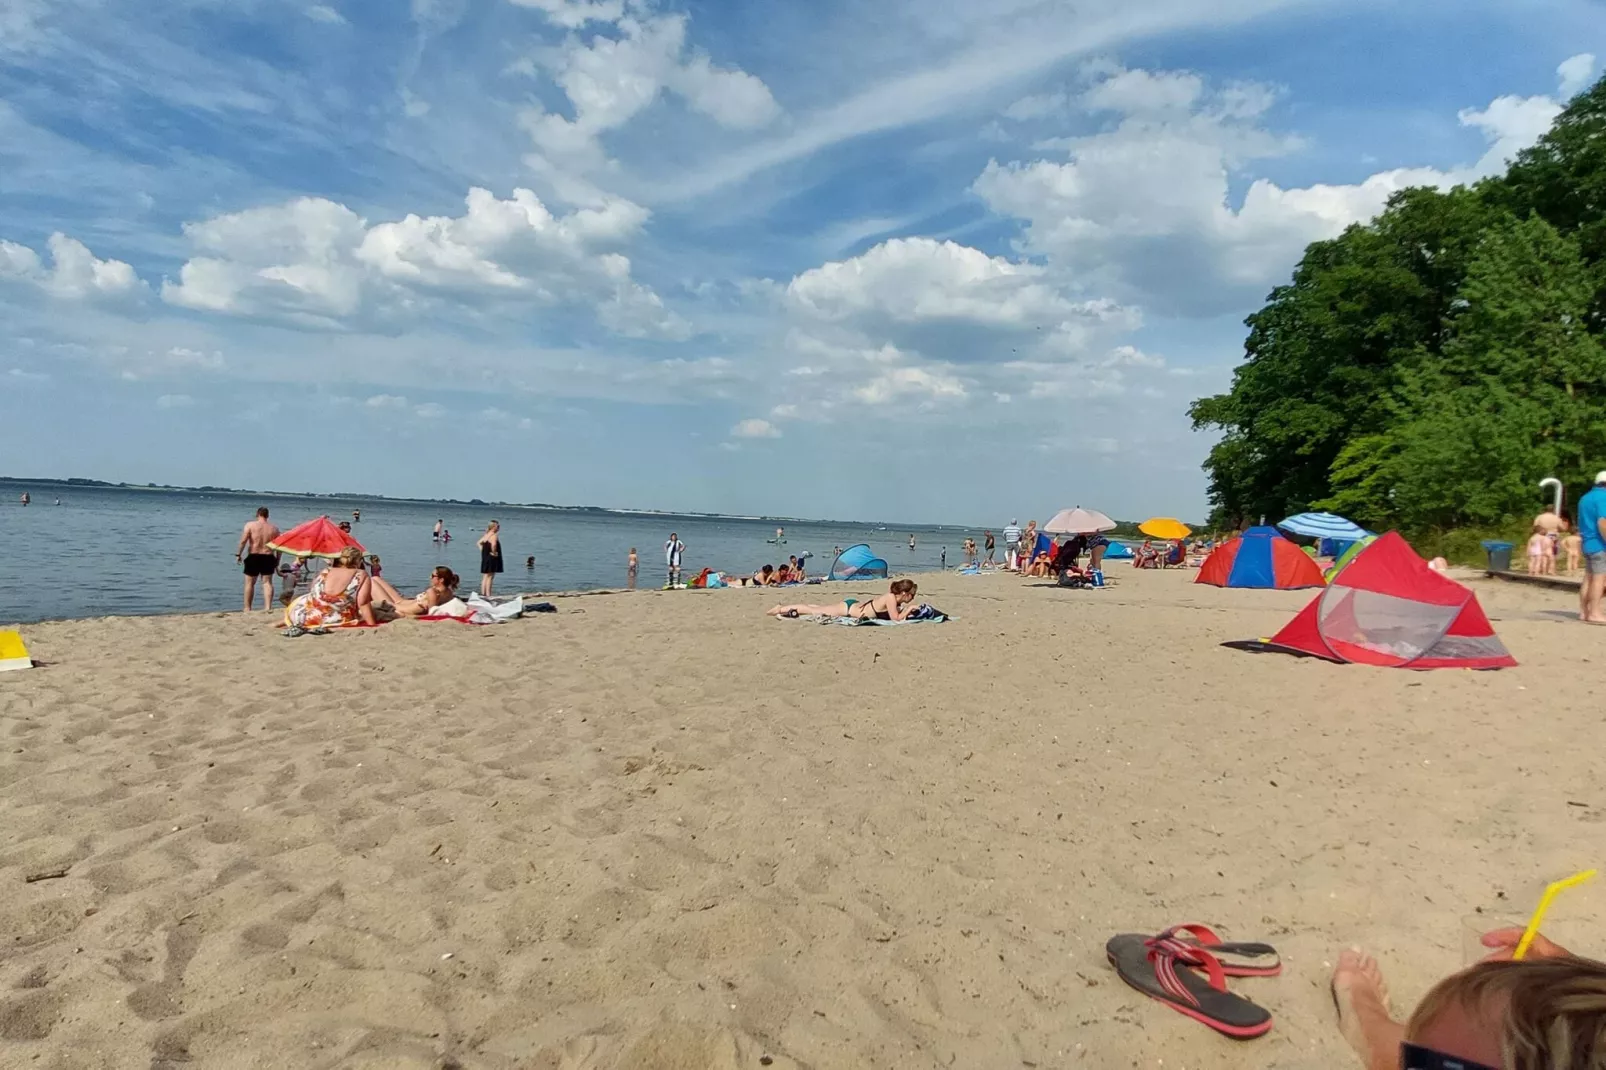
{"x": 1574, "y": 74}
{"x": 573, "y": 14}
{"x": 919, "y": 279}
{"x": 325, "y": 13}
{"x": 175, "y": 401}
{"x": 611, "y": 80}
{"x": 315, "y": 262}
{"x": 898, "y": 384}
{"x": 1139, "y": 92}
{"x": 386, "y": 401}
{"x": 74, "y": 272}
{"x": 21, "y": 375}
{"x": 755, "y": 429}
{"x": 1144, "y": 210}
{"x": 429, "y": 410}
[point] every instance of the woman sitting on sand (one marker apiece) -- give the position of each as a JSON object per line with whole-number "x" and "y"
{"x": 896, "y": 604}
{"x": 442, "y": 589}
{"x": 341, "y": 594}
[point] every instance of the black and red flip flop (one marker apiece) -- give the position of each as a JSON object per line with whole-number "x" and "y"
{"x": 1164, "y": 970}
{"x": 1237, "y": 958}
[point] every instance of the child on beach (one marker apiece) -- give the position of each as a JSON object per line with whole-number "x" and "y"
{"x": 1573, "y": 543}
{"x": 1541, "y": 555}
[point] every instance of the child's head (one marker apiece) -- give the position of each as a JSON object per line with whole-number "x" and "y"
{"x": 632, "y": 549}
{"x": 904, "y": 590}
{"x": 1540, "y": 1014}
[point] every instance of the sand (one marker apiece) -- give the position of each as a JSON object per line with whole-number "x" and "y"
{"x": 660, "y": 830}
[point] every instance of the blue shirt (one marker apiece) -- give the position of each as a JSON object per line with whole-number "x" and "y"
{"x": 1591, "y": 508}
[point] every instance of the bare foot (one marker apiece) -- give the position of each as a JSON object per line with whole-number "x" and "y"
{"x": 1363, "y": 1011}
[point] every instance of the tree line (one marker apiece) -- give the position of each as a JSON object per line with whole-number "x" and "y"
{"x": 1425, "y": 370}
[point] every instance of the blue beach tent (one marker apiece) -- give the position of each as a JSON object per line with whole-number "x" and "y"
{"x": 858, "y": 563}
{"x": 1117, "y": 551}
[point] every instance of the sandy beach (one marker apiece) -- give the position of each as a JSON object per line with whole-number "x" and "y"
{"x": 660, "y": 830}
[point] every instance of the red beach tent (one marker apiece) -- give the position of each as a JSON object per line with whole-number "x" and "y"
{"x": 1388, "y": 608}
{"x": 316, "y": 538}
{"x": 1260, "y": 557}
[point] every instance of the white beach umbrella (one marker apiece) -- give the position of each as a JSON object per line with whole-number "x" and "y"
{"x": 1078, "y": 521}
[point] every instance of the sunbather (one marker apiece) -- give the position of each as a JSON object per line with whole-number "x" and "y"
{"x": 896, "y": 604}
{"x": 1547, "y": 1012}
{"x": 341, "y": 594}
{"x": 442, "y": 589}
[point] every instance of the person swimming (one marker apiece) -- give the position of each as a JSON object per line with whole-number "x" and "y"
{"x": 895, "y": 605}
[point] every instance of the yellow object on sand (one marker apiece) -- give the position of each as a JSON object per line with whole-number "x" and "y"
{"x": 1538, "y": 919}
{"x": 1165, "y": 527}
{"x": 13, "y": 654}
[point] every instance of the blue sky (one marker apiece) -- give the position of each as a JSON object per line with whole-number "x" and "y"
{"x": 937, "y": 261}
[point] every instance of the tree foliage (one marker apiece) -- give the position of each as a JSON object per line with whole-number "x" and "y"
{"x": 1426, "y": 369}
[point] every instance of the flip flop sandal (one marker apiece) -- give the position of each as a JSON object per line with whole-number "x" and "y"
{"x": 1238, "y": 959}
{"x": 1151, "y": 967}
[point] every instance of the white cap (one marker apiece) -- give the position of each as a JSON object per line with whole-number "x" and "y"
{"x": 1600, "y": 477}
{"x": 1012, "y": 519}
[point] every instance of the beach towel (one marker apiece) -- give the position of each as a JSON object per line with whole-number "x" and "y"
{"x": 925, "y": 614}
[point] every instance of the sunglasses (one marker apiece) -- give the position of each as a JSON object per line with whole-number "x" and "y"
{"x": 1413, "y": 1057}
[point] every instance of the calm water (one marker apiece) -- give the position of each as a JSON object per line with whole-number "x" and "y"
{"x": 105, "y": 551}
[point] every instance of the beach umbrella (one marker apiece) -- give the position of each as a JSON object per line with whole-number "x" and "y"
{"x": 1165, "y": 527}
{"x": 1324, "y": 526}
{"x": 1078, "y": 521}
{"x": 316, "y": 538}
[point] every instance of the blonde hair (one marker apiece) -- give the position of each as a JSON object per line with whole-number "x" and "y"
{"x": 1551, "y": 1012}
{"x": 350, "y": 557}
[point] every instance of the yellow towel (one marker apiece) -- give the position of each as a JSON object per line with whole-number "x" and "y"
{"x": 13, "y": 654}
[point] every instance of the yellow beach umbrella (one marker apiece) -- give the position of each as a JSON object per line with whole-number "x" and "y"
{"x": 1165, "y": 527}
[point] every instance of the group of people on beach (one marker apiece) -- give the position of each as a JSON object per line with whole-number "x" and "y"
{"x": 345, "y": 591}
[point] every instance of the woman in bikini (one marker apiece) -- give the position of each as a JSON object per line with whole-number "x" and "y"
{"x": 895, "y": 605}
{"x": 442, "y": 589}
{"x": 342, "y": 594}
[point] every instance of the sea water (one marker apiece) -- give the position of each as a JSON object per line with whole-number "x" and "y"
{"x": 112, "y": 551}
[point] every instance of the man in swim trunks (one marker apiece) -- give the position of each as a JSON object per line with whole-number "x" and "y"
{"x": 260, "y": 562}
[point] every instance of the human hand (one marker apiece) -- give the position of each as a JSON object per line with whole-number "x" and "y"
{"x": 1503, "y": 943}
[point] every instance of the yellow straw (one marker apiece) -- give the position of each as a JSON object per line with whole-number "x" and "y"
{"x": 1551, "y": 891}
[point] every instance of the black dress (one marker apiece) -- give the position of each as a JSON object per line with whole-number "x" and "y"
{"x": 490, "y": 557}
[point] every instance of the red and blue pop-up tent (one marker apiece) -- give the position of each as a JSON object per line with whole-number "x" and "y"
{"x": 1260, "y": 557}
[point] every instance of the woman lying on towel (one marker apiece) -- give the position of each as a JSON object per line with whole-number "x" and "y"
{"x": 341, "y": 594}
{"x": 442, "y": 589}
{"x": 896, "y": 604}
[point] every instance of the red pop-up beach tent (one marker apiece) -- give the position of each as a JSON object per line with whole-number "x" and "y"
{"x": 1388, "y": 608}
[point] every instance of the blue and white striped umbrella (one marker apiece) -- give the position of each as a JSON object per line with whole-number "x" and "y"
{"x": 1324, "y": 526}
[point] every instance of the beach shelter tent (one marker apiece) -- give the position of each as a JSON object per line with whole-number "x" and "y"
{"x": 1260, "y": 557}
{"x": 1117, "y": 551}
{"x": 858, "y": 563}
{"x": 1347, "y": 555}
{"x": 316, "y": 538}
{"x": 1388, "y": 608}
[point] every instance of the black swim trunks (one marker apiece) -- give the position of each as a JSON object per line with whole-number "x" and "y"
{"x": 261, "y": 564}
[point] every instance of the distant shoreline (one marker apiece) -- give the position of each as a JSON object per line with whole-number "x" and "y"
{"x": 470, "y": 503}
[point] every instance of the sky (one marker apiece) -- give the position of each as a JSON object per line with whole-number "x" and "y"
{"x": 945, "y": 261}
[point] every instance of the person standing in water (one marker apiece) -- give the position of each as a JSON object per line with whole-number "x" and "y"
{"x": 633, "y": 563}
{"x": 674, "y": 550}
{"x": 259, "y": 560}
{"x": 439, "y": 526}
{"x": 25, "y": 498}
{"x": 780, "y": 534}
{"x": 490, "y": 557}
{"x": 911, "y": 540}
{"x": 356, "y": 516}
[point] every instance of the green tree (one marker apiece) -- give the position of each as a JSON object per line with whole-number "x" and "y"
{"x": 1322, "y": 357}
{"x": 1516, "y": 393}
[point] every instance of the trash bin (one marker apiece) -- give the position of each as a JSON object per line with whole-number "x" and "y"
{"x": 1499, "y": 555}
